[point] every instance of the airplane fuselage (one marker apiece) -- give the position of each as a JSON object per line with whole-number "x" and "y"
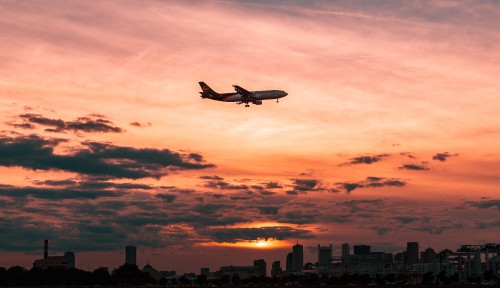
{"x": 259, "y": 95}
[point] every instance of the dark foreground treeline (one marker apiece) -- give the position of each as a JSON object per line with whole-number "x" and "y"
{"x": 124, "y": 275}
{"x": 130, "y": 275}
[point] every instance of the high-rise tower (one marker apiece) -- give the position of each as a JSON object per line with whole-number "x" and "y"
{"x": 289, "y": 262}
{"x": 412, "y": 252}
{"x": 325, "y": 254}
{"x": 298, "y": 257}
{"x": 131, "y": 255}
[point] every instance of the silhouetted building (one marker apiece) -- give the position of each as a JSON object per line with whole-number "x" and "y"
{"x": 242, "y": 271}
{"x": 70, "y": 258}
{"x": 276, "y": 269}
{"x": 205, "y": 271}
{"x": 412, "y": 253}
{"x": 325, "y": 254}
{"x": 54, "y": 262}
{"x": 289, "y": 263}
{"x": 45, "y": 249}
{"x": 400, "y": 258}
{"x": 429, "y": 256}
{"x": 346, "y": 250}
{"x": 298, "y": 258}
{"x": 309, "y": 266}
{"x": 261, "y": 266}
{"x": 157, "y": 275}
{"x": 362, "y": 249}
{"x": 378, "y": 257}
{"x": 131, "y": 255}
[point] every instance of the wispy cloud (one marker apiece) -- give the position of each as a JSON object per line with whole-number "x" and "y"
{"x": 416, "y": 167}
{"x": 141, "y": 125}
{"x": 485, "y": 204}
{"x": 443, "y": 156}
{"x": 89, "y": 124}
{"x": 303, "y": 186}
{"x": 364, "y": 160}
{"x": 371, "y": 182}
{"x": 406, "y": 219}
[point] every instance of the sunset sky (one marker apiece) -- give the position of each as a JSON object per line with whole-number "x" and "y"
{"x": 389, "y": 133}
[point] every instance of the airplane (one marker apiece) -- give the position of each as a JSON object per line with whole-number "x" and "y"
{"x": 242, "y": 95}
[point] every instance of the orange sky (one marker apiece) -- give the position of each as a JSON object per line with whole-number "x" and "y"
{"x": 389, "y": 133}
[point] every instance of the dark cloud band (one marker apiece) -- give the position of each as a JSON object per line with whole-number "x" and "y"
{"x": 95, "y": 159}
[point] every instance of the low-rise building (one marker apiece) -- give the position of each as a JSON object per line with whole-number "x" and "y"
{"x": 66, "y": 261}
{"x": 242, "y": 271}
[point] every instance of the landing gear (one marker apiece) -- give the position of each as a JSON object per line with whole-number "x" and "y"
{"x": 277, "y": 100}
{"x": 247, "y": 105}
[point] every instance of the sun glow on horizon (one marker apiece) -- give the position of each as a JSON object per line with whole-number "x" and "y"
{"x": 268, "y": 235}
{"x": 260, "y": 243}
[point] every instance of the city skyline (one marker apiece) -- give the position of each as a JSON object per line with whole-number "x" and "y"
{"x": 388, "y": 135}
{"x": 463, "y": 264}
{"x": 468, "y": 264}
{"x": 324, "y": 256}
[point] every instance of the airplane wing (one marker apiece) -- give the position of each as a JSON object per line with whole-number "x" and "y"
{"x": 243, "y": 92}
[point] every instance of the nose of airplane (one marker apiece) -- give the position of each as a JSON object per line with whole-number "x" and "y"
{"x": 284, "y": 94}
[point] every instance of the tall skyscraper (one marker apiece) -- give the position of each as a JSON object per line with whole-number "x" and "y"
{"x": 289, "y": 262}
{"x": 276, "y": 269}
{"x": 325, "y": 254}
{"x": 346, "y": 251}
{"x": 412, "y": 252}
{"x": 298, "y": 258}
{"x": 131, "y": 255}
{"x": 261, "y": 266}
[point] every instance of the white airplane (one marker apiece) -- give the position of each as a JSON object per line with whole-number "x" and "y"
{"x": 242, "y": 95}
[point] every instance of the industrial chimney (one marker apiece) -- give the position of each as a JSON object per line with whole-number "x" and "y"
{"x": 45, "y": 249}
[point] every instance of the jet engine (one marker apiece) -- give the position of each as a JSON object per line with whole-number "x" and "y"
{"x": 257, "y": 102}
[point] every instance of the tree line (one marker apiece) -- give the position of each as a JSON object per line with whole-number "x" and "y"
{"x": 124, "y": 275}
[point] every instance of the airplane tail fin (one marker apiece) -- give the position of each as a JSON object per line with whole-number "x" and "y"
{"x": 207, "y": 92}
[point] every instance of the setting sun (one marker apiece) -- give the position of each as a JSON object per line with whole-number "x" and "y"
{"x": 261, "y": 244}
